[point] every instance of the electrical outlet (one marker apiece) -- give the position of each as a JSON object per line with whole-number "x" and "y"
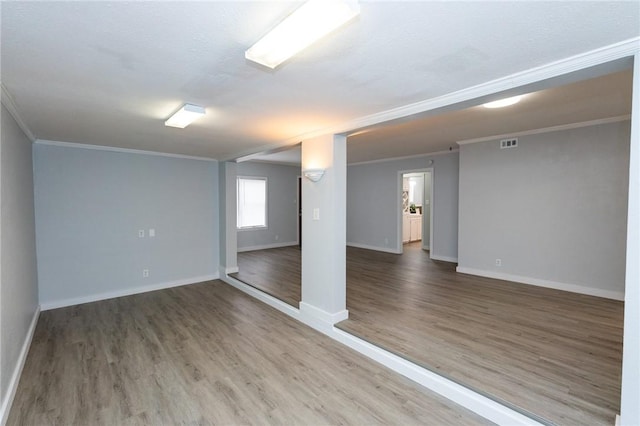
{"x": 145, "y": 273}
{"x": 498, "y": 262}
{"x": 277, "y": 237}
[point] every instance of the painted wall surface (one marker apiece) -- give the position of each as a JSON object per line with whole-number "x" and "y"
{"x": 630, "y": 399}
{"x": 19, "y": 285}
{"x": 324, "y": 230}
{"x": 90, "y": 205}
{"x": 227, "y": 171}
{"x": 373, "y": 203}
{"x": 282, "y": 206}
{"x": 554, "y": 208}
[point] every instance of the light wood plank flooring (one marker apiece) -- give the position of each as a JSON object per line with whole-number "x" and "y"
{"x": 551, "y": 353}
{"x": 274, "y": 271}
{"x": 207, "y": 354}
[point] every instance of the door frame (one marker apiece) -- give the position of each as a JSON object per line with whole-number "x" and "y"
{"x": 399, "y": 212}
{"x": 430, "y": 224}
{"x": 299, "y": 210}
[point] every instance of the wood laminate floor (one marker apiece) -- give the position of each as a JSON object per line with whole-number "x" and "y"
{"x": 207, "y": 354}
{"x": 555, "y": 354}
{"x": 274, "y": 271}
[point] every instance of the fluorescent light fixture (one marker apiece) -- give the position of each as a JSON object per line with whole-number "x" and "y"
{"x": 310, "y": 22}
{"x": 314, "y": 175}
{"x": 185, "y": 116}
{"x": 503, "y": 102}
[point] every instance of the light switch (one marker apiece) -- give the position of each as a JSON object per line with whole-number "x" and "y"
{"x": 316, "y": 213}
{"x": 152, "y": 232}
{"x": 140, "y": 233}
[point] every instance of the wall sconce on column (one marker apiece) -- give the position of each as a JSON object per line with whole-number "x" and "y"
{"x": 314, "y": 175}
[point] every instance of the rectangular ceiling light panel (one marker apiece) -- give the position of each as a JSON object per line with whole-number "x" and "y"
{"x": 310, "y": 22}
{"x": 185, "y": 116}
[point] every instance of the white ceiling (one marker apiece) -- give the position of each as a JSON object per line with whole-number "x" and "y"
{"x": 597, "y": 98}
{"x": 593, "y": 99}
{"x": 110, "y": 73}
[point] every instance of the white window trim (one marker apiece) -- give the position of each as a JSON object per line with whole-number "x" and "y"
{"x": 266, "y": 203}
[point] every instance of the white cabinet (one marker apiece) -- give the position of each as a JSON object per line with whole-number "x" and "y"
{"x": 411, "y": 227}
{"x": 415, "y": 226}
{"x": 406, "y": 228}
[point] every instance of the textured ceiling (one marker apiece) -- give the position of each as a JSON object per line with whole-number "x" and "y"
{"x": 110, "y": 73}
{"x": 592, "y": 99}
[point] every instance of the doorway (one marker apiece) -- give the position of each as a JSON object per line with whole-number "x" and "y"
{"x": 416, "y": 213}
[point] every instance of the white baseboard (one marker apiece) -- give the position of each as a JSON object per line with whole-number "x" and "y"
{"x": 479, "y": 404}
{"x": 573, "y": 288}
{"x": 124, "y": 292}
{"x": 485, "y": 407}
{"x": 444, "y": 258}
{"x": 17, "y": 371}
{"x": 267, "y": 246}
{"x": 375, "y": 248}
{"x": 229, "y": 270}
{"x": 311, "y": 312}
{"x": 263, "y": 297}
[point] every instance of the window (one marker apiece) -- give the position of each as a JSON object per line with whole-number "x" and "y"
{"x": 412, "y": 190}
{"x": 252, "y": 202}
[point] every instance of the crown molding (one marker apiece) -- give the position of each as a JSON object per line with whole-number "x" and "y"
{"x": 547, "y": 129}
{"x": 116, "y": 149}
{"x": 614, "y": 52}
{"x": 9, "y": 103}
{"x": 275, "y": 163}
{"x": 251, "y": 153}
{"x": 603, "y": 55}
{"x": 405, "y": 157}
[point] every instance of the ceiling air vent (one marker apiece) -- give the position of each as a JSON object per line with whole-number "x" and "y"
{"x": 508, "y": 143}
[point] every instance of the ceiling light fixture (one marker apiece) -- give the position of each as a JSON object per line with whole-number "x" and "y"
{"x": 503, "y": 102}
{"x": 185, "y": 116}
{"x": 307, "y": 24}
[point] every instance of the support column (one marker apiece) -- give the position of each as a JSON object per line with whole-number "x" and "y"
{"x": 324, "y": 212}
{"x": 630, "y": 403}
{"x": 227, "y": 173}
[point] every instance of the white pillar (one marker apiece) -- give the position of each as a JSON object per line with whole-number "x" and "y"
{"x": 227, "y": 173}
{"x": 324, "y": 208}
{"x": 630, "y": 404}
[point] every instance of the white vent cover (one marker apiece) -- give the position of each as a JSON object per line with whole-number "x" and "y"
{"x": 508, "y": 143}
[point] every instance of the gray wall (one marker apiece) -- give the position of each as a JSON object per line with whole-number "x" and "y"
{"x": 227, "y": 188}
{"x": 282, "y": 206}
{"x": 19, "y": 285}
{"x": 553, "y": 209}
{"x": 373, "y": 204}
{"x": 90, "y": 205}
